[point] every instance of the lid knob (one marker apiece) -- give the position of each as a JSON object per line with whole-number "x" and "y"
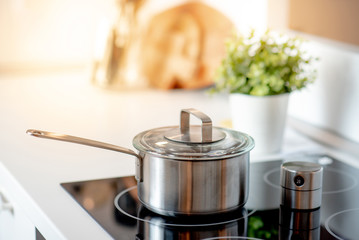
{"x": 194, "y": 134}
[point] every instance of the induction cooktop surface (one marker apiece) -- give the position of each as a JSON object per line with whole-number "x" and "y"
{"x": 114, "y": 205}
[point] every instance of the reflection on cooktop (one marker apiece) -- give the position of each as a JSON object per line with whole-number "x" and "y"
{"x": 113, "y": 203}
{"x": 147, "y": 216}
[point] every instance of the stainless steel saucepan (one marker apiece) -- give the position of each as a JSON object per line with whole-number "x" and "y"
{"x": 186, "y": 169}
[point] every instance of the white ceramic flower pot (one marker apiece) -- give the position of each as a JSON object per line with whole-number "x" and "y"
{"x": 264, "y": 118}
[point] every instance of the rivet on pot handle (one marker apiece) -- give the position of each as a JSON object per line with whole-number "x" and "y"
{"x": 206, "y": 123}
{"x": 92, "y": 143}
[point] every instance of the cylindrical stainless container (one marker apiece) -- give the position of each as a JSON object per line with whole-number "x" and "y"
{"x": 301, "y": 185}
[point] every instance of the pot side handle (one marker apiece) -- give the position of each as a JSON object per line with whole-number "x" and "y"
{"x": 89, "y": 142}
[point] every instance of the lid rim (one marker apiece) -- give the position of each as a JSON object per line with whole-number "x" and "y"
{"x": 245, "y": 143}
{"x": 209, "y": 158}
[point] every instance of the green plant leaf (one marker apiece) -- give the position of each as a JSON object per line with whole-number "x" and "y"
{"x": 266, "y": 65}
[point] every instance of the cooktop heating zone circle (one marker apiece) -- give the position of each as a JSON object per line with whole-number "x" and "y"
{"x": 330, "y": 185}
{"x": 337, "y": 224}
{"x": 170, "y": 221}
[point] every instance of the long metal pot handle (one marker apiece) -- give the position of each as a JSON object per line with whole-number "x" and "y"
{"x": 89, "y": 142}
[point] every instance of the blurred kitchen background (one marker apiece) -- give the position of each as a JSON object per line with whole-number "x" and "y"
{"x": 126, "y": 45}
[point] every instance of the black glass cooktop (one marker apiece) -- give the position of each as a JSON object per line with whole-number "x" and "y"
{"x": 113, "y": 204}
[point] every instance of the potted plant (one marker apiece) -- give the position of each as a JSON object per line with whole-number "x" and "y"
{"x": 260, "y": 72}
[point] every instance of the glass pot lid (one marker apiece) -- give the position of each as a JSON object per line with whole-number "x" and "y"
{"x": 193, "y": 142}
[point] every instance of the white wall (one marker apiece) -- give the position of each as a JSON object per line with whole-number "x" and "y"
{"x": 46, "y": 33}
{"x": 49, "y": 32}
{"x": 332, "y": 101}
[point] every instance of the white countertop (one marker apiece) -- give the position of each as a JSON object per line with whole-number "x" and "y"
{"x": 68, "y": 103}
